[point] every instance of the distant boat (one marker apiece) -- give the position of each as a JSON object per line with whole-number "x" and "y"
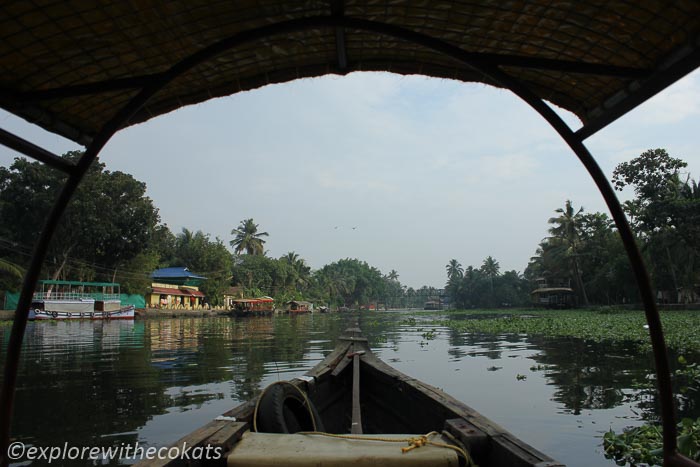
{"x": 299, "y": 306}
{"x": 432, "y": 305}
{"x": 553, "y": 297}
{"x": 78, "y": 300}
{"x": 261, "y": 306}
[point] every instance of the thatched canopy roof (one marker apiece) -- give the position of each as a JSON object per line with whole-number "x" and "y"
{"x": 70, "y": 65}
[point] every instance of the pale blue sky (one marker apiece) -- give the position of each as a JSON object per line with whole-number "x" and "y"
{"x": 424, "y": 170}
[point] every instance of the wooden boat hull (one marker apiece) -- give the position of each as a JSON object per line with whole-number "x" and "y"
{"x": 391, "y": 403}
{"x": 126, "y": 312}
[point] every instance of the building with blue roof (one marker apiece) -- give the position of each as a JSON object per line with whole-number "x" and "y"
{"x": 177, "y": 288}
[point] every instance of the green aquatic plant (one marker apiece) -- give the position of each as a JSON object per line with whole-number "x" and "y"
{"x": 594, "y": 325}
{"x": 410, "y": 321}
{"x": 644, "y": 444}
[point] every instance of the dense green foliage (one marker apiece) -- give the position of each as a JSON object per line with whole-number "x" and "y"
{"x": 485, "y": 287}
{"x": 680, "y": 327}
{"x": 208, "y": 257}
{"x": 643, "y": 445}
{"x": 111, "y": 231}
{"x": 584, "y": 249}
{"x": 108, "y": 224}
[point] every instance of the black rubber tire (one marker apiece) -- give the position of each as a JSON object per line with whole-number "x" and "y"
{"x": 282, "y": 410}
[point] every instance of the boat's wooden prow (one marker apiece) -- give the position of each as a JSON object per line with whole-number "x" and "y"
{"x": 354, "y": 395}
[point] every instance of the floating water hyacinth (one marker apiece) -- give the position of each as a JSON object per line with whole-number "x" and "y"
{"x": 613, "y": 325}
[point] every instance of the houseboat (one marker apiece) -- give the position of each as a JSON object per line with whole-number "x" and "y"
{"x": 299, "y": 306}
{"x": 56, "y": 299}
{"x": 553, "y": 297}
{"x": 262, "y": 306}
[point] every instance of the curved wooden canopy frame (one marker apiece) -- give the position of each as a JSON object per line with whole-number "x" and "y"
{"x": 575, "y": 141}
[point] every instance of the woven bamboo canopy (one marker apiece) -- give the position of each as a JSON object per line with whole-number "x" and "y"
{"x": 67, "y": 66}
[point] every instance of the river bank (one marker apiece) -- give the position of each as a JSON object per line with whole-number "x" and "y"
{"x": 149, "y": 313}
{"x": 599, "y": 325}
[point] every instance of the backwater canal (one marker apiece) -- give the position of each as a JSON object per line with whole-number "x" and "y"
{"x": 153, "y": 381}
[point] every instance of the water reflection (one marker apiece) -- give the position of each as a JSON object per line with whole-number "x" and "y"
{"x": 105, "y": 383}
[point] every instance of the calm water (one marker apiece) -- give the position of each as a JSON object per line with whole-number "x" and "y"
{"x": 153, "y": 381}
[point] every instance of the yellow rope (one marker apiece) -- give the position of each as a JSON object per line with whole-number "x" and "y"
{"x": 413, "y": 443}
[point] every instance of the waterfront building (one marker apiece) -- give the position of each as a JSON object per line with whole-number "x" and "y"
{"x": 176, "y": 288}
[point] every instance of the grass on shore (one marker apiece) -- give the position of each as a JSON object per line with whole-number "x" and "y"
{"x": 680, "y": 327}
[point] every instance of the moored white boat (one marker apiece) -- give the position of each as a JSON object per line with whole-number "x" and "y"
{"x": 78, "y": 300}
{"x": 126, "y": 312}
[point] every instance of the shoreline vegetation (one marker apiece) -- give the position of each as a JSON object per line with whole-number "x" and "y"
{"x": 601, "y": 324}
{"x": 581, "y": 262}
{"x": 593, "y": 324}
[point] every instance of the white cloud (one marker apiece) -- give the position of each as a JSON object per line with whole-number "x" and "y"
{"x": 679, "y": 102}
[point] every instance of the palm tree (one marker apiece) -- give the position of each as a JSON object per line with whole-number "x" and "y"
{"x": 11, "y": 268}
{"x": 248, "y": 238}
{"x": 490, "y": 268}
{"x": 303, "y": 272}
{"x": 338, "y": 284}
{"x": 393, "y": 275}
{"x": 566, "y": 235}
{"x": 454, "y": 270}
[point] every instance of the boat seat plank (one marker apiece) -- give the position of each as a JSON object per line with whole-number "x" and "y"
{"x": 272, "y": 449}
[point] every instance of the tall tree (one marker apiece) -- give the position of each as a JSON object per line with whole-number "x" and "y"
{"x": 207, "y": 257}
{"x": 668, "y": 214}
{"x": 490, "y": 269}
{"x": 566, "y": 239}
{"x": 454, "y": 270}
{"x": 302, "y": 273}
{"x": 248, "y": 239}
{"x": 11, "y": 268}
{"x": 109, "y": 221}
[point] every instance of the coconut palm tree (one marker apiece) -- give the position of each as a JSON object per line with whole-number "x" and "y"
{"x": 454, "y": 270}
{"x": 393, "y": 275}
{"x": 11, "y": 268}
{"x": 565, "y": 235}
{"x": 248, "y": 238}
{"x": 490, "y": 268}
{"x": 303, "y": 272}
